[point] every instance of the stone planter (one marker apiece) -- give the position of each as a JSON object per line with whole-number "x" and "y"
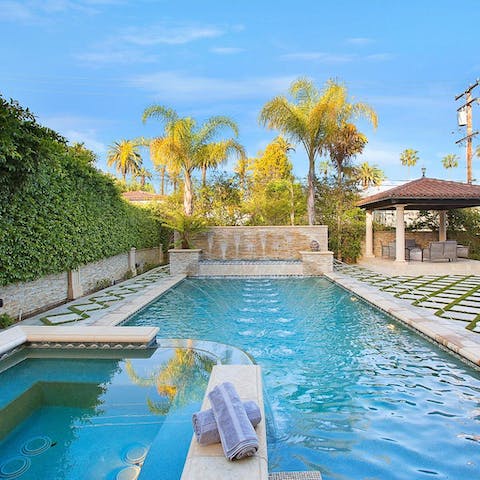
{"x": 184, "y": 262}
{"x": 317, "y": 263}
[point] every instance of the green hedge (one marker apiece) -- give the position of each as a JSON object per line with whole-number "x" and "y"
{"x": 64, "y": 213}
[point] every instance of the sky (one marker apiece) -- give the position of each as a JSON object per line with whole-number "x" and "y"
{"x": 89, "y": 68}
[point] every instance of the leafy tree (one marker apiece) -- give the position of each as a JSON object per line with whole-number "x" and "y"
{"x": 310, "y": 119}
{"x": 218, "y": 153}
{"x": 369, "y": 175}
{"x": 273, "y": 163}
{"x": 125, "y": 157}
{"x": 242, "y": 171}
{"x": 186, "y": 145}
{"x": 409, "y": 158}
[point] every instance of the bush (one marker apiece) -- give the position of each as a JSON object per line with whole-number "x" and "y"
{"x": 64, "y": 213}
{"x": 6, "y": 320}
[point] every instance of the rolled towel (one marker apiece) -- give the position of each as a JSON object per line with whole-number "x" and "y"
{"x": 237, "y": 435}
{"x": 205, "y": 425}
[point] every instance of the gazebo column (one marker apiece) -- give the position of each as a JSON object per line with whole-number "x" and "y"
{"x": 369, "y": 234}
{"x": 442, "y": 228}
{"x": 400, "y": 234}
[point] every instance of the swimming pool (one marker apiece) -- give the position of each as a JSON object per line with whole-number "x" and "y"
{"x": 349, "y": 391}
{"x": 70, "y": 414}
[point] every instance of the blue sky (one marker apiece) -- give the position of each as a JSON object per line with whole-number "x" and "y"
{"x": 88, "y": 68}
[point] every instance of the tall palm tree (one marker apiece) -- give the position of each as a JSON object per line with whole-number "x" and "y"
{"x": 217, "y": 153}
{"x": 125, "y": 156}
{"x": 344, "y": 143}
{"x": 310, "y": 118}
{"x": 477, "y": 151}
{"x": 450, "y": 161}
{"x": 409, "y": 158}
{"x": 143, "y": 174}
{"x": 369, "y": 175}
{"x": 186, "y": 144}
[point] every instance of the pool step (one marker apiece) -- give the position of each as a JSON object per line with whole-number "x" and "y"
{"x": 295, "y": 476}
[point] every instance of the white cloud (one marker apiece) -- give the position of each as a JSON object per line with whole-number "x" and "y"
{"x": 78, "y": 130}
{"x": 382, "y": 154}
{"x": 15, "y": 11}
{"x": 378, "y": 57}
{"x": 359, "y": 41}
{"x": 177, "y": 86}
{"x": 318, "y": 57}
{"x": 170, "y": 34}
{"x": 226, "y": 50}
{"x": 107, "y": 55}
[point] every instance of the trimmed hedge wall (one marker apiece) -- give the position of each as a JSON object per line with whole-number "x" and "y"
{"x": 63, "y": 213}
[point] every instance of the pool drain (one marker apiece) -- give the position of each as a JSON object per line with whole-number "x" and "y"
{"x": 136, "y": 454}
{"x": 129, "y": 473}
{"x": 36, "y": 446}
{"x": 14, "y": 467}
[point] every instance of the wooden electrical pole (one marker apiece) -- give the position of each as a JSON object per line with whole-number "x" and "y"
{"x": 467, "y": 108}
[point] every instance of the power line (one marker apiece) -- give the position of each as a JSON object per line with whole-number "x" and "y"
{"x": 465, "y": 119}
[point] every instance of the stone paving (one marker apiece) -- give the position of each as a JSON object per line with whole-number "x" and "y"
{"x": 95, "y": 306}
{"x": 453, "y": 297}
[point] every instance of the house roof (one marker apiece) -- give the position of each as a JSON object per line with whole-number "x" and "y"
{"x": 139, "y": 196}
{"x": 425, "y": 194}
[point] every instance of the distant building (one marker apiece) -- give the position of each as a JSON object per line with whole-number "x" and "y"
{"x": 141, "y": 197}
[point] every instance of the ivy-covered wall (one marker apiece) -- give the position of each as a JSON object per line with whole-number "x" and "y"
{"x": 57, "y": 211}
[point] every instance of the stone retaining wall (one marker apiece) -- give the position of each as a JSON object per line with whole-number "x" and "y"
{"x": 385, "y": 237}
{"x": 260, "y": 243}
{"x": 28, "y": 298}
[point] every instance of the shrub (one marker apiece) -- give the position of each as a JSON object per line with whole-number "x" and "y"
{"x": 6, "y": 320}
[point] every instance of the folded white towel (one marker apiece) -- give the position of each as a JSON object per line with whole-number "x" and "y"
{"x": 205, "y": 425}
{"x": 237, "y": 435}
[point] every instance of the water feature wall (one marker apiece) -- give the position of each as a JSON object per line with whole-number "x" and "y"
{"x": 260, "y": 243}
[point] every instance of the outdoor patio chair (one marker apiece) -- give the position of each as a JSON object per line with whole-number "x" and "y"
{"x": 441, "y": 251}
{"x": 450, "y": 250}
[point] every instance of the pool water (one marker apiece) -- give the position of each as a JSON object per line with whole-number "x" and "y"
{"x": 349, "y": 391}
{"x": 81, "y": 417}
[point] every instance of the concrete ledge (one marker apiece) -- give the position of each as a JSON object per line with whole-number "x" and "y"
{"x": 209, "y": 462}
{"x": 316, "y": 263}
{"x": 16, "y": 336}
{"x": 249, "y": 269}
{"x": 11, "y": 338}
{"x": 143, "y": 335}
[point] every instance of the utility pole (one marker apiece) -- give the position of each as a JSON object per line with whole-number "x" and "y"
{"x": 465, "y": 119}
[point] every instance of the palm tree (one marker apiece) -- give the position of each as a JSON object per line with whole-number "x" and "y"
{"x": 344, "y": 143}
{"x": 450, "y": 161}
{"x": 143, "y": 174}
{"x": 477, "y": 151}
{"x": 217, "y": 153}
{"x": 369, "y": 175}
{"x": 124, "y": 155}
{"x": 186, "y": 145}
{"x": 409, "y": 158}
{"x": 309, "y": 119}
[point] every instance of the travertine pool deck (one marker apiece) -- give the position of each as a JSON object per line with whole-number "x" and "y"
{"x": 449, "y": 333}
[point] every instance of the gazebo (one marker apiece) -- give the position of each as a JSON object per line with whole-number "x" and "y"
{"x": 421, "y": 194}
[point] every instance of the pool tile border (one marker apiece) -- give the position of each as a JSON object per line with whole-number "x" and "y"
{"x": 447, "y": 333}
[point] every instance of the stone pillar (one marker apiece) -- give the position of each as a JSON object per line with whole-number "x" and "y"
{"x": 75, "y": 289}
{"x": 369, "y": 234}
{"x": 400, "y": 234}
{"x": 442, "y": 230}
{"x": 160, "y": 254}
{"x": 132, "y": 261}
{"x": 184, "y": 262}
{"x": 316, "y": 263}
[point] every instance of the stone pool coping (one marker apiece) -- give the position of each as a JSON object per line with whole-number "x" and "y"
{"x": 449, "y": 333}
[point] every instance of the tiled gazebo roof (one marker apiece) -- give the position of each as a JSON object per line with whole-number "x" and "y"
{"x": 425, "y": 194}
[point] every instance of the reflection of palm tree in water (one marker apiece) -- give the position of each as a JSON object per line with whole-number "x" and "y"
{"x": 179, "y": 381}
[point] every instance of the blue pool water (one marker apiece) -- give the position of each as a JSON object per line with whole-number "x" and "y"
{"x": 349, "y": 391}
{"x": 89, "y": 418}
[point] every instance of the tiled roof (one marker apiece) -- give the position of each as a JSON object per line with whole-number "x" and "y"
{"x": 139, "y": 196}
{"x": 427, "y": 193}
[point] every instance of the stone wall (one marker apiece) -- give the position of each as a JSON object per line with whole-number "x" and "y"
{"x": 385, "y": 237}
{"x": 28, "y": 298}
{"x": 152, "y": 256}
{"x": 259, "y": 243}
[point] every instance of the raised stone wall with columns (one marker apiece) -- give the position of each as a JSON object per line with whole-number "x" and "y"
{"x": 260, "y": 243}
{"x": 27, "y": 298}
